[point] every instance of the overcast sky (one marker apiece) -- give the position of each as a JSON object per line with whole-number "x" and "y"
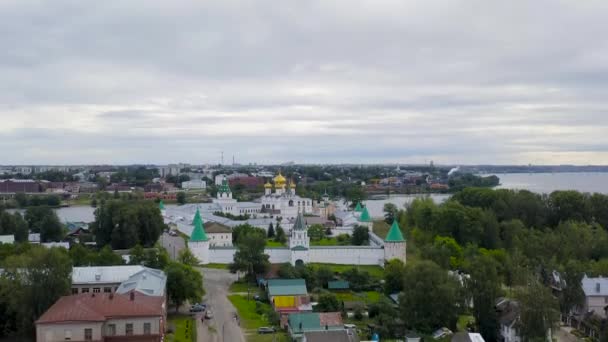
{"x": 463, "y": 82}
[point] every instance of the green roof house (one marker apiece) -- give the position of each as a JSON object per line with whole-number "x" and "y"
{"x": 358, "y": 208}
{"x": 286, "y": 287}
{"x": 338, "y": 285}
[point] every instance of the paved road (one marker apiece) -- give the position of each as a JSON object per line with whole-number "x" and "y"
{"x": 223, "y": 327}
{"x": 173, "y": 244}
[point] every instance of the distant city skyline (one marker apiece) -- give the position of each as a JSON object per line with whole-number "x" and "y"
{"x": 458, "y": 82}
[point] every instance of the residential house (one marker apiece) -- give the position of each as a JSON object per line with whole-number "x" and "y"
{"x": 330, "y": 336}
{"x": 195, "y": 184}
{"x": 300, "y": 323}
{"x": 338, "y": 285}
{"x": 288, "y": 295}
{"x": 596, "y": 295}
{"x": 508, "y": 318}
{"x": 106, "y": 317}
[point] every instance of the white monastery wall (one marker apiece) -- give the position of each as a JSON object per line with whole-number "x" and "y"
{"x": 347, "y": 255}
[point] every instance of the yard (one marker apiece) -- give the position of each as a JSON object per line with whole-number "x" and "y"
{"x": 216, "y": 266}
{"x": 242, "y": 287}
{"x": 381, "y": 228}
{"x": 368, "y": 296}
{"x": 252, "y": 320}
{"x": 374, "y": 271}
{"x": 272, "y": 243}
{"x": 184, "y": 329}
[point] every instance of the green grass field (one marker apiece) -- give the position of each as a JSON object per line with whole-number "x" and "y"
{"x": 367, "y": 297}
{"x": 242, "y": 287}
{"x": 272, "y": 243}
{"x": 184, "y": 329}
{"x": 381, "y": 228}
{"x": 246, "y": 309}
{"x": 374, "y": 271}
{"x": 325, "y": 242}
{"x": 216, "y": 266}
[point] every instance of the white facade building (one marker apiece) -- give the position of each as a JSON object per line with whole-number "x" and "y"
{"x": 284, "y": 201}
{"x": 194, "y": 185}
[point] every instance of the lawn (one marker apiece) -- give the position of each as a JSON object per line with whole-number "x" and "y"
{"x": 368, "y": 296}
{"x": 374, "y": 271}
{"x": 381, "y": 228}
{"x": 463, "y": 321}
{"x": 325, "y": 242}
{"x": 184, "y": 329}
{"x": 242, "y": 287}
{"x": 216, "y": 266}
{"x": 247, "y": 314}
{"x": 272, "y": 243}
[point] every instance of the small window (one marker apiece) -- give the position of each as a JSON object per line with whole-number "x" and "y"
{"x": 96, "y": 290}
{"x": 85, "y": 290}
{"x": 147, "y": 328}
{"x": 129, "y": 329}
{"x": 68, "y": 335}
{"x": 111, "y": 329}
{"x": 107, "y": 290}
{"x": 88, "y": 334}
{"x": 75, "y": 291}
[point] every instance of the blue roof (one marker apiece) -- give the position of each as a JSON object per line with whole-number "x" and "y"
{"x": 338, "y": 285}
{"x": 287, "y": 287}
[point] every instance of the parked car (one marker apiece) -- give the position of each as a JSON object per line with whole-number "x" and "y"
{"x": 257, "y": 298}
{"x": 266, "y": 330}
{"x": 208, "y": 314}
{"x": 197, "y": 308}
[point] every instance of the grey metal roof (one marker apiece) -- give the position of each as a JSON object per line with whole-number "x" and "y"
{"x": 148, "y": 281}
{"x": 104, "y": 274}
{"x": 286, "y": 287}
{"x": 595, "y": 286}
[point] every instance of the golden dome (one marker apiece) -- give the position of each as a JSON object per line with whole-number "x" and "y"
{"x": 268, "y": 185}
{"x": 279, "y": 179}
{"x": 292, "y": 184}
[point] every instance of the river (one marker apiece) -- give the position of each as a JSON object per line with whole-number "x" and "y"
{"x": 537, "y": 182}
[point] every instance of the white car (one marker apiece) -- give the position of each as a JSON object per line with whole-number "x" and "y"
{"x": 208, "y": 314}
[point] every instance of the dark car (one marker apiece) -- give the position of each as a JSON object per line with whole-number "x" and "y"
{"x": 266, "y": 330}
{"x": 197, "y": 308}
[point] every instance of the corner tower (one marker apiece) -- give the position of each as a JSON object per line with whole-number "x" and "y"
{"x": 199, "y": 242}
{"x": 394, "y": 244}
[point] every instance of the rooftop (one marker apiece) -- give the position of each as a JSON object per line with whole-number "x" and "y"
{"x": 214, "y": 227}
{"x": 149, "y": 281}
{"x": 338, "y": 285}
{"x": 394, "y": 234}
{"x": 330, "y": 336}
{"x": 287, "y": 287}
{"x": 595, "y": 286}
{"x": 315, "y": 321}
{"x": 104, "y": 274}
{"x": 98, "y": 307}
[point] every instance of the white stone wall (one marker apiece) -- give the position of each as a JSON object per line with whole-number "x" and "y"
{"x": 62, "y": 331}
{"x": 355, "y": 255}
{"x": 278, "y": 255}
{"x": 221, "y": 255}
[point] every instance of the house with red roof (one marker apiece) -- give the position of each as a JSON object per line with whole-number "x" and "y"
{"x": 104, "y": 317}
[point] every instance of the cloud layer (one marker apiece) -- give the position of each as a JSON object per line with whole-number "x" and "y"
{"x": 310, "y": 81}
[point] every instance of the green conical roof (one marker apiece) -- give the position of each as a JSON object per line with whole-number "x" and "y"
{"x": 161, "y": 205}
{"x": 198, "y": 233}
{"x": 394, "y": 234}
{"x": 225, "y": 187}
{"x": 365, "y": 217}
{"x": 300, "y": 223}
{"x": 197, "y": 217}
{"x": 358, "y": 208}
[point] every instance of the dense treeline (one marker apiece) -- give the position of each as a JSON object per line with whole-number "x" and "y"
{"x": 124, "y": 224}
{"x": 41, "y": 220}
{"x": 501, "y": 239}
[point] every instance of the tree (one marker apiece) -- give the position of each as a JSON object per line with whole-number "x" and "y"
{"x": 328, "y": 302}
{"x": 432, "y": 298}
{"x": 539, "y": 310}
{"x": 323, "y": 275}
{"x": 13, "y": 224}
{"x": 445, "y": 252}
{"x": 484, "y": 287}
{"x": 572, "y": 294}
{"x": 44, "y": 220}
{"x": 250, "y": 255}
{"x": 280, "y": 236}
{"x": 32, "y": 282}
{"x": 394, "y": 272}
{"x": 181, "y": 198}
{"x": 186, "y": 257}
{"x": 358, "y": 280}
{"x": 316, "y": 232}
{"x": 138, "y": 255}
{"x": 184, "y": 283}
{"x": 360, "y": 236}
{"x": 270, "y": 231}
{"x": 390, "y": 212}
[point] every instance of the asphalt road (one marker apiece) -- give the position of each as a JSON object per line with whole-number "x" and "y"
{"x": 173, "y": 244}
{"x": 223, "y": 327}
